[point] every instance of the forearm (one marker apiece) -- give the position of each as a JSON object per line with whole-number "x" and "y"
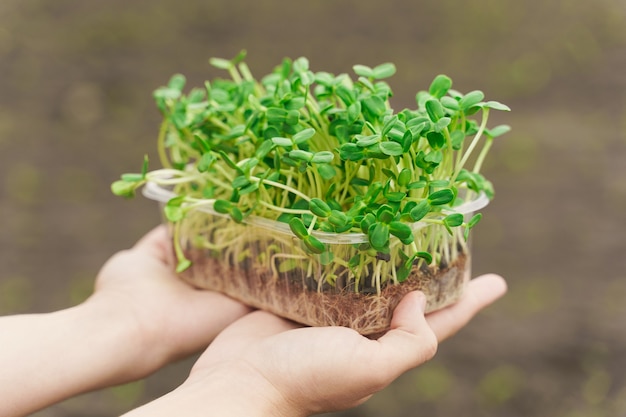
{"x": 46, "y": 358}
{"x": 225, "y": 392}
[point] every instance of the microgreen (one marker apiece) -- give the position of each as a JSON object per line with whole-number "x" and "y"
{"x": 326, "y": 153}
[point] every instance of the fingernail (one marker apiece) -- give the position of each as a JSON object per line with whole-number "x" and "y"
{"x": 422, "y": 300}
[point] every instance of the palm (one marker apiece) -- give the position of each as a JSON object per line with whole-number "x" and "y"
{"x": 174, "y": 316}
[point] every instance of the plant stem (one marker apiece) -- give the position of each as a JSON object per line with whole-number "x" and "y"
{"x": 483, "y": 154}
{"x": 282, "y": 186}
{"x": 472, "y": 145}
{"x": 161, "y": 145}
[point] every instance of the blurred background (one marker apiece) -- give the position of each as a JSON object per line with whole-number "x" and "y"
{"x": 76, "y": 79}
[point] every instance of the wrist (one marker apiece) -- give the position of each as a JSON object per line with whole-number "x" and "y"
{"x": 227, "y": 390}
{"x": 121, "y": 339}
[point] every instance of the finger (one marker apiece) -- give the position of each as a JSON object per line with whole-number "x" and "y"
{"x": 480, "y": 292}
{"x": 204, "y": 321}
{"x": 410, "y": 342}
{"x": 244, "y": 332}
{"x": 258, "y": 325}
{"x": 157, "y": 243}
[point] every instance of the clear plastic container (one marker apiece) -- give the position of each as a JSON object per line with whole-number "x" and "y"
{"x": 261, "y": 263}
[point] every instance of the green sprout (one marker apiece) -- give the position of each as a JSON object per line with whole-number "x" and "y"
{"x": 325, "y": 153}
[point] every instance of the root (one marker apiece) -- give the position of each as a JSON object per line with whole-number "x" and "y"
{"x": 287, "y": 294}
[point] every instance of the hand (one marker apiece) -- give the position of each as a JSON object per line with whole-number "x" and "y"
{"x": 140, "y": 317}
{"x": 171, "y": 318}
{"x": 263, "y": 365}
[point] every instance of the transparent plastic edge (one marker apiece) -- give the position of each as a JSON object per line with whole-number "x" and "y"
{"x": 155, "y": 192}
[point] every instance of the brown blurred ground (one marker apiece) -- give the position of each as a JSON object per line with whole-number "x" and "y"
{"x": 75, "y": 111}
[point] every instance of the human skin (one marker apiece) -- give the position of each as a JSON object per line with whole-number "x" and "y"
{"x": 263, "y": 365}
{"x": 139, "y": 318}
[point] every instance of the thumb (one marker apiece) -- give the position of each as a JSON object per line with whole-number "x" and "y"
{"x": 411, "y": 341}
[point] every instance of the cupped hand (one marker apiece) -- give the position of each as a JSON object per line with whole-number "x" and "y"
{"x": 172, "y": 318}
{"x": 302, "y": 371}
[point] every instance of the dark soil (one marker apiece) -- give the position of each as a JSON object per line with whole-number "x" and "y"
{"x": 289, "y": 294}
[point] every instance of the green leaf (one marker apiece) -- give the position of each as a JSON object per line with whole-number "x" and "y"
{"x": 400, "y": 230}
{"x": 367, "y": 83}
{"x": 416, "y": 185}
{"x": 144, "y": 166}
{"x": 124, "y": 188}
{"x": 173, "y": 213}
{"x": 319, "y": 208}
{"x": 307, "y": 78}
{"x": 365, "y": 141}
{"x": 132, "y": 177}
{"x": 438, "y": 184}
{"x": 471, "y": 99}
{"x": 220, "y": 63}
{"x": 442, "y": 124}
{"x": 385, "y": 70}
{"x": 250, "y": 188}
{"x": 440, "y": 86}
{"x": 326, "y": 171}
{"x": 391, "y": 148}
{"x": 295, "y": 103}
{"x": 363, "y": 71}
{"x": 282, "y": 142}
{"x": 345, "y": 94}
{"x": 378, "y": 236}
{"x": 303, "y": 135}
{"x": 300, "y": 155}
{"x": 496, "y": 106}
{"x": 236, "y": 214}
{"x": 298, "y": 228}
{"x": 457, "y": 137}
{"x": 395, "y": 196}
{"x": 441, "y": 197}
{"x": 434, "y": 157}
{"x": 498, "y": 131}
{"x": 453, "y": 220}
{"x": 389, "y": 174}
{"x": 425, "y": 256}
{"x": 323, "y": 157}
{"x": 222, "y": 206}
{"x": 375, "y": 105}
{"x": 177, "y": 82}
{"x": 240, "y": 182}
{"x": 420, "y": 210}
{"x": 229, "y": 161}
{"x": 434, "y": 110}
{"x": 293, "y": 117}
{"x": 182, "y": 265}
{"x": 450, "y": 103}
{"x": 389, "y": 124}
{"x": 436, "y": 140}
{"x": 403, "y": 272}
{"x": 276, "y": 115}
{"x": 354, "y": 261}
{"x": 265, "y": 148}
{"x": 385, "y": 214}
{"x": 314, "y": 244}
{"x": 351, "y": 152}
{"x": 205, "y": 162}
{"x": 368, "y": 220}
{"x": 354, "y": 112}
{"x": 338, "y": 218}
{"x": 301, "y": 64}
{"x": 474, "y": 220}
{"x": 404, "y": 177}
